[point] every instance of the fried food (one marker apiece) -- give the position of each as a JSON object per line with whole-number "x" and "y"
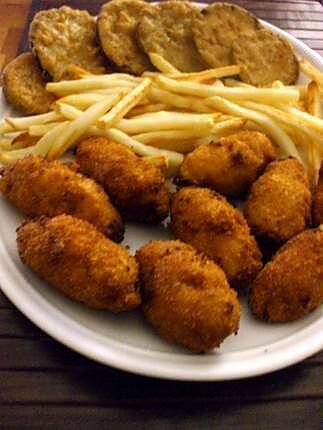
{"x": 265, "y": 57}
{"x": 117, "y": 26}
{"x": 186, "y": 296}
{"x": 205, "y": 220}
{"x": 230, "y": 165}
{"x": 136, "y": 187}
{"x": 318, "y": 201}
{"x": 74, "y": 257}
{"x": 24, "y": 85}
{"x": 291, "y": 285}
{"x": 279, "y": 204}
{"x": 166, "y": 29}
{"x": 216, "y": 29}
{"x": 38, "y": 187}
{"x": 63, "y": 37}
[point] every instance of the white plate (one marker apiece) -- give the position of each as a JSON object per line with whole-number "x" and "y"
{"x": 126, "y": 341}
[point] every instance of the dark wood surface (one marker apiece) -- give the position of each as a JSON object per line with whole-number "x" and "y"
{"x": 44, "y": 385}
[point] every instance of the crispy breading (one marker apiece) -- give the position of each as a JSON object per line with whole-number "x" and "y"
{"x": 65, "y": 36}
{"x": 39, "y": 187}
{"x": 166, "y": 29}
{"x": 217, "y": 27}
{"x": 24, "y": 85}
{"x": 279, "y": 204}
{"x": 205, "y": 220}
{"x": 291, "y": 285}
{"x": 318, "y": 201}
{"x": 79, "y": 261}
{"x": 265, "y": 57}
{"x": 136, "y": 187}
{"x": 117, "y": 27}
{"x": 230, "y": 165}
{"x": 186, "y": 296}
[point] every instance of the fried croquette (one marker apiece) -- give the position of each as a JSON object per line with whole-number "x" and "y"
{"x": 205, "y": 220}
{"x": 39, "y": 187}
{"x": 117, "y": 27}
{"x": 186, "y": 296}
{"x": 166, "y": 29}
{"x": 74, "y": 257}
{"x": 265, "y": 57}
{"x": 318, "y": 201}
{"x": 217, "y": 27}
{"x": 230, "y": 165}
{"x": 63, "y": 37}
{"x": 137, "y": 188}
{"x": 291, "y": 285}
{"x": 24, "y": 86}
{"x": 279, "y": 204}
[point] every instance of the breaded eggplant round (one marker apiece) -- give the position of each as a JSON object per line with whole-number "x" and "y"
{"x": 137, "y": 188}
{"x": 265, "y": 57}
{"x": 39, "y": 187}
{"x": 279, "y": 204}
{"x": 166, "y": 29}
{"x": 230, "y": 165}
{"x": 291, "y": 285}
{"x": 318, "y": 201}
{"x": 117, "y": 26}
{"x": 65, "y": 36}
{"x": 74, "y": 257}
{"x": 24, "y": 85}
{"x": 186, "y": 296}
{"x": 205, "y": 220}
{"x": 217, "y": 27}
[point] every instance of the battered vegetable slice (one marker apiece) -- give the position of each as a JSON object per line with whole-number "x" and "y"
{"x": 38, "y": 187}
{"x": 205, "y": 220}
{"x": 65, "y": 36}
{"x": 318, "y": 201}
{"x": 117, "y": 26}
{"x": 279, "y": 204}
{"x": 291, "y": 285}
{"x": 216, "y": 29}
{"x": 80, "y": 262}
{"x": 186, "y": 296}
{"x": 166, "y": 29}
{"x": 230, "y": 165}
{"x": 265, "y": 57}
{"x": 24, "y": 85}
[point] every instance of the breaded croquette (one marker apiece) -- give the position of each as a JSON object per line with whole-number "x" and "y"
{"x": 318, "y": 201}
{"x": 279, "y": 204}
{"x": 136, "y": 187}
{"x": 205, "y": 220}
{"x": 74, "y": 257}
{"x": 230, "y": 165}
{"x": 291, "y": 285}
{"x": 186, "y": 296}
{"x": 39, "y": 187}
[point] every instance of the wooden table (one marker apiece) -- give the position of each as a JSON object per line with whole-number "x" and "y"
{"x": 43, "y": 385}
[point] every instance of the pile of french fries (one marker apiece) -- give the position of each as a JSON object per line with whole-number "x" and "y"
{"x": 165, "y": 114}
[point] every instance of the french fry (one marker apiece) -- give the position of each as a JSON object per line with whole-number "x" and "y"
{"x": 83, "y": 100}
{"x": 67, "y": 111}
{"x": 206, "y": 75}
{"x": 45, "y": 144}
{"x": 313, "y": 101}
{"x": 306, "y": 118}
{"x": 125, "y": 105}
{"x": 232, "y": 125}
{"x": 312, "y": 72}
{"x": 64, "y": 88}
{"x": 40, "y": 130}
{"x": 169, "y": 135}
{"x": 230, "y": 82}
{"x": 24, "y": 123}
{"x": 78, "y": 72}
{"x": 161, "y": 64}
{"x": 142, "y": 110}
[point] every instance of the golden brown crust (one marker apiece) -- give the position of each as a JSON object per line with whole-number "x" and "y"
{"x": 279, "y": 204}
{"x": 291, "y": 285}
{"x": 205, "y": 220}
{"x": 230, "y": 165}
{"x": 136, "y": 187}
{"x": 217, "y": 27}
{"x": 166, "y": 29}
{"x": 65, "y": 36}
{"x": 39, "y": 187}
{"x": 186, "y": 296}
{"x": 117, "y": 26}
{"x": 318, "y": 201}
{"x": 24, "y": 85}
{"x": 265, "y": 57}
{"x": 79, "y": 261}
